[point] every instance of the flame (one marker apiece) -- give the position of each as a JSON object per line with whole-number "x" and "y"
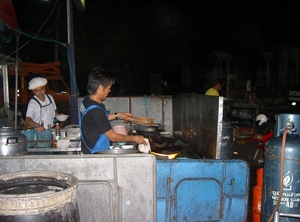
{"x": 170, "y": 156}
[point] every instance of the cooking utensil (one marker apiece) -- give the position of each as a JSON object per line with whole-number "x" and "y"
{"x": 144, "y": 128}
{"x": 62, "y": 118}
{"x": 12, "y": 142}
{"x": 117, "y": 149}
{"x": 165, "y": 148}
{"x": 147, "y": 131}
{"x": 147, "y": 134}
{"x": 141, "y": 120}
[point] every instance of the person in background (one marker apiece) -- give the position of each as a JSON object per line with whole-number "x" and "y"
{"x": 41, "y": 108}
{"x": 215, "y": 89}
{"x": 96, "y": 130}
{"x": 248, "y": 95}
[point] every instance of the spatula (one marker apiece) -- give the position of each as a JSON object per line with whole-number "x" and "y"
{"x": 141, "y": 120}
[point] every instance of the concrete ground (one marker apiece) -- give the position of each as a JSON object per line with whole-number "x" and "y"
{"x": 246, "y": 152}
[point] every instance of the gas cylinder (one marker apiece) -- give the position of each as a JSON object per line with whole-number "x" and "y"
{"x": 287, "y": 128}
{"x": 257, "y": 193}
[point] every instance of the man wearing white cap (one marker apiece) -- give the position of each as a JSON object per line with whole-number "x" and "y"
{"x": 41, "y": 108}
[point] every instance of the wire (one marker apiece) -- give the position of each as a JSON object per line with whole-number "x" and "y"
{"x": 42, "y": 38}
{"x": 63, "y": 44}
{"x": 34, "y": 37}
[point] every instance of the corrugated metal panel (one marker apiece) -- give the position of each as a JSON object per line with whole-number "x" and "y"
{"x": 202, "y": 190}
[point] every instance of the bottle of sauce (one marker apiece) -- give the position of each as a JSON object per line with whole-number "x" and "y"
{"x": 52, "y": 137}
{"x": 42, "y": 124}
{"x": 57, "y": 132}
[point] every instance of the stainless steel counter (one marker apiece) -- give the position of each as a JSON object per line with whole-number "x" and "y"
{"x": 73, "y": 149}
{"x": 33, "y": 150}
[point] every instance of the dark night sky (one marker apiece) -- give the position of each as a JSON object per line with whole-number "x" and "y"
{"x": 241, "y": 28}
{"x": 223, "y": 24}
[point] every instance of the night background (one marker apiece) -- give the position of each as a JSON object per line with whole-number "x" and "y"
{"x": 135, "y": 39}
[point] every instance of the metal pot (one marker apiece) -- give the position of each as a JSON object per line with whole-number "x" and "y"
{"x": 12, "y": 142}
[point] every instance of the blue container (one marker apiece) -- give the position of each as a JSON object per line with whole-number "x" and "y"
{"x": 30, "y": 135}
{"x": 46, "y": 135}
{"x": 290, "y": 200}
{"x": 202, "y": 190}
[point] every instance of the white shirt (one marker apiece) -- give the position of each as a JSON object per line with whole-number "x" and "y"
{"x": 46, "y": 113}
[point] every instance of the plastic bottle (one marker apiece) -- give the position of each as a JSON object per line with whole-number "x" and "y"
{"x": 42, "y": 124}
{"x": 57, "y": 132}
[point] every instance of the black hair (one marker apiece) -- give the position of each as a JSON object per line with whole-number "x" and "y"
{"x": 98, "y": 77}
{"x": 217, "y": 81}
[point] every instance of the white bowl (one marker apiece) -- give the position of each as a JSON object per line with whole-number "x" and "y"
{"x": 62, "y": 118}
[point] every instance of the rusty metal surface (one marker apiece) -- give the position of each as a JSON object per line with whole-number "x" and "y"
{"x": 199, "y": 118}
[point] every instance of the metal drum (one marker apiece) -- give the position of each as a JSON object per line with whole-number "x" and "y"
{"x": 290, "y": 199}
{"x": 38, "y": 196}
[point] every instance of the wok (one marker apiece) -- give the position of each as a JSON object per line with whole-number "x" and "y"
{"x": 147, "y": 130}
{"x": 165, "y": 148}
{"x": 144, "y": 128}
{"x": 165, "y": 151}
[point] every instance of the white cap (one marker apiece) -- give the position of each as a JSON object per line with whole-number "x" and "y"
{"x": 37, "y": 82}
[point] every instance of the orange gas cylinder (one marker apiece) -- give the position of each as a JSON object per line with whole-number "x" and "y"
{"x": 259, "y": 177}
{"x": 257, "y": 194}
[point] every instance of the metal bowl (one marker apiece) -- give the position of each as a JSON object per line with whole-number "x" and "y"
{"x": 62, "y": 118}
